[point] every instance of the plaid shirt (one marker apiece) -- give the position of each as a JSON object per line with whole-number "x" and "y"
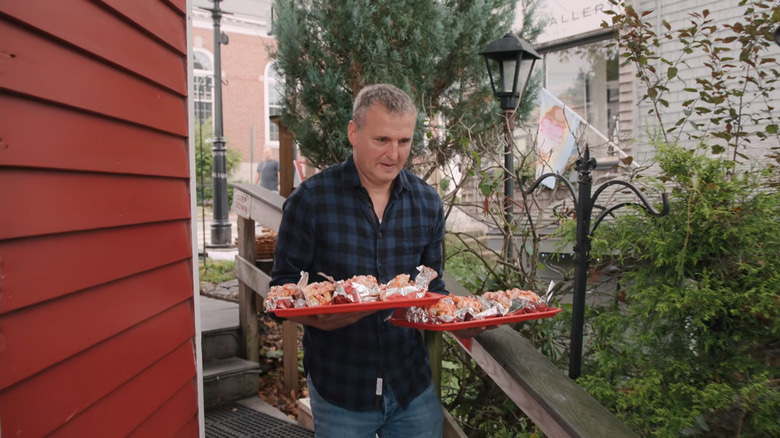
{"x": 329, "y": 226}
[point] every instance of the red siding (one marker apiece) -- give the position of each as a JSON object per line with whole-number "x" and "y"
{"x": 178, "y": 407}
{"x": 73, "y": 385}
{"x": 72, "y": 262}
{"x": 84, "y": 201}
{"x": 86, "y": 318}
{"x": 126, "y": 47}
{"x": 155, "y": 19}
{"x": 44, "y": 68}
{"x": 123, "y": 410}
{"x": 79, "y": 141}
{"x": 189, "y": 429}
{"x": 96, "y": 299}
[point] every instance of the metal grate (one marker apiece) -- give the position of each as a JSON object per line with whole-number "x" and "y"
{"x": 233, "y": 420}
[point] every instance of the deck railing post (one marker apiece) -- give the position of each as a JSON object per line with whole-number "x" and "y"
{"x": 247, "y": 298}
{"x": 433, "y": 342}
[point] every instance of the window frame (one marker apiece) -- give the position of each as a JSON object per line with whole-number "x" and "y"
{"x": 198, "y": 75}
{"x": 271, "y": 80}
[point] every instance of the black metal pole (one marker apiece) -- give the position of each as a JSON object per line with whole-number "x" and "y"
{"x": 220, "y": 225}
{"x": 201, "y": 185}
{"x": 509, "y": 188}
{"x": 584, "y": 203}
{"x": 581, "y": 260}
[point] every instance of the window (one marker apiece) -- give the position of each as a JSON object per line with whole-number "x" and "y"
{"x": 203, "y": 75}
{"x": 273, "y": 103}
{"x": 585, "y": 78}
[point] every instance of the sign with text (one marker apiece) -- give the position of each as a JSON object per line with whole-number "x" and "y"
{"x": 568, "y": 18}
{"x": 241, "y": 203}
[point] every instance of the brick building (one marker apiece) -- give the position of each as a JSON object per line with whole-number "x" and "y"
{"x": 248, "y": 79}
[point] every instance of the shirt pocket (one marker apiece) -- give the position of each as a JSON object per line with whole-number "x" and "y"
{"x": 413, "y": 240}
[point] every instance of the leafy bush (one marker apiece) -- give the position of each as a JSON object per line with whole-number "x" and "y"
{"x": 692, "y": 344}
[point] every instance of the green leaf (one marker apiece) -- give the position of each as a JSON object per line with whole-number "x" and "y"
{"x": 717, "y": 149}
{"x": 671, "y": 72}
{"x": 772, "y": 129}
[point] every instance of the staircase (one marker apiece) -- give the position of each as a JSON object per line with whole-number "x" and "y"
{"x": 231, "y": 384}
{"x": 226, "y": 377}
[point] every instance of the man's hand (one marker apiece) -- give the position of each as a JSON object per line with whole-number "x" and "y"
{"x": 330, "y": 321}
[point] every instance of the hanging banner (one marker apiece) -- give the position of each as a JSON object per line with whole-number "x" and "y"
{"x": 555, "y": 140}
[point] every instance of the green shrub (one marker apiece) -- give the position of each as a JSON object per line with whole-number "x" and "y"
{"x": 691, "y": 348}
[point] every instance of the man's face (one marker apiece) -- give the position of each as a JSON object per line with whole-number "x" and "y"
{"x": 381, "y": 146}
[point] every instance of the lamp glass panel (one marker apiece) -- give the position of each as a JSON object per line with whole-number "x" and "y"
{"x": 507, "y": 75}
{"x": 525, "y": 71}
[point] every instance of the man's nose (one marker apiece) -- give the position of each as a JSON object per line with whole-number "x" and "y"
{"x": 392, "y": 151}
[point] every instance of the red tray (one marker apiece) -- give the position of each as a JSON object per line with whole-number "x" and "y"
{"x": 428, "y": 299}
{"x": 449, "y": 326}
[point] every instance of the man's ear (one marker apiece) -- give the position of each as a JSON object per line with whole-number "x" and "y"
{"x": 352, "y": 130}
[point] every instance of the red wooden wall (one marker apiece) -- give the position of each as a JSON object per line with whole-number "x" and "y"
{"x": 96, "y": 282}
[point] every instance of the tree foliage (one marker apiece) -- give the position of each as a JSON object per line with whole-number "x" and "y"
{"x": 690, "y": 345}
{"x": 328, "y": 50}
{"x": 732, "y": 101}
{"x": 204, "y": 161}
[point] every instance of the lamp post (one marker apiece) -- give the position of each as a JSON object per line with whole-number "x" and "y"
{"x": 512, "y": 63}
{"x": 220, "y": 225}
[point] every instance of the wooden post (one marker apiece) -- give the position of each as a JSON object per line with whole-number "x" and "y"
{"x": 290, "y": 355}
{"x": 289, "y": 329}
{"x": 433, "y": 342}
{"x": 286, "y": 165}
{"x": 247, "y": 298}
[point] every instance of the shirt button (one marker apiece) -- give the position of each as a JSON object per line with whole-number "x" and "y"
{"x": 381, "y": 235}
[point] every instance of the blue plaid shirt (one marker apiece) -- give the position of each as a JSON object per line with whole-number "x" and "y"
{"x": 329, "y": 226}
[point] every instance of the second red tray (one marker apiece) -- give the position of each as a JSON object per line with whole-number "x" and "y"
{"x": 449, "y": 326}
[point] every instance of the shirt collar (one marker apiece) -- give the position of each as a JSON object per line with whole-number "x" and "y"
{"x": 350, "y": 177}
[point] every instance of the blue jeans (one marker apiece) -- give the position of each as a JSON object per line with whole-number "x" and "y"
{"x": 423, "y": 418}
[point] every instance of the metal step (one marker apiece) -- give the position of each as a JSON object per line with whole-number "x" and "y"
{"x": 234, "y": 420}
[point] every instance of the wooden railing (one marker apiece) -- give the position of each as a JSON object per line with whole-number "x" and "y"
{"x": 546, "y": 395}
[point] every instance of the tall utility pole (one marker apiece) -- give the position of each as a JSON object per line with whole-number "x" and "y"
{"x": 220, "y": 225}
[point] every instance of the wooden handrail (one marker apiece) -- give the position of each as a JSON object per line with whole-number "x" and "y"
{"x": 555, "y": 403}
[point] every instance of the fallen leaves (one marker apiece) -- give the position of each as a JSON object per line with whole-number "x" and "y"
{"x": 272, "y": 382}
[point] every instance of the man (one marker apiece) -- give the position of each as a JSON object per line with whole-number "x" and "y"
{"x": 366, "y": 216}
{"x": 268, "y": 172}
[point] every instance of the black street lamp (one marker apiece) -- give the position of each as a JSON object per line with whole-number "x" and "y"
{"x": 512, "y": 63}
{"x": 515, "y": 59}
{"x": 585, "y": 202}
{"x": 220, "y": 226}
